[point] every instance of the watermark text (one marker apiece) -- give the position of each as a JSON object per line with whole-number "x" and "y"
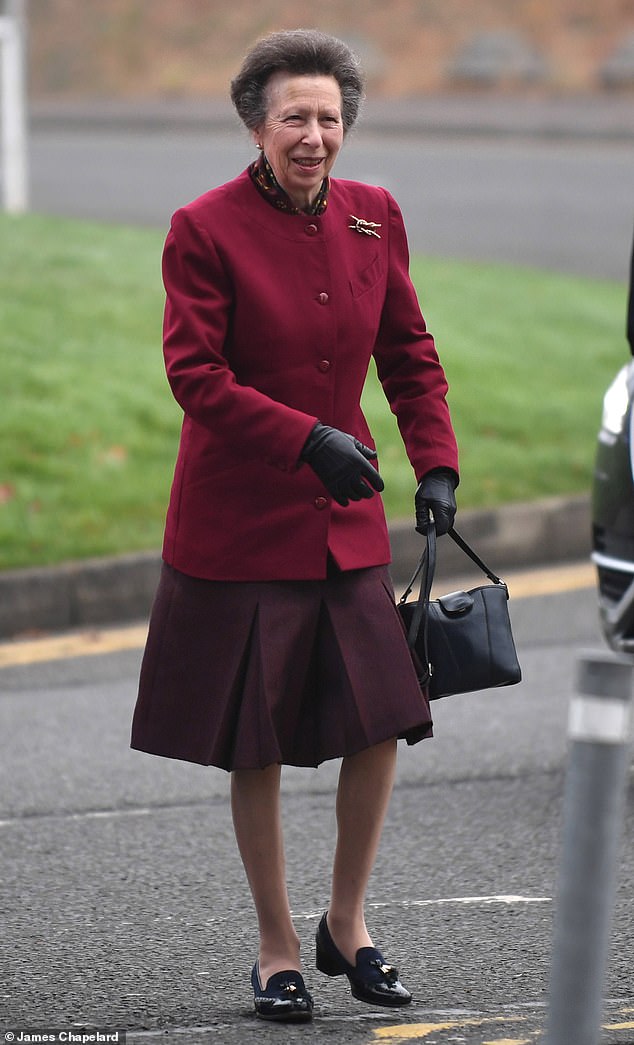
{"x": 63, "y": 1036}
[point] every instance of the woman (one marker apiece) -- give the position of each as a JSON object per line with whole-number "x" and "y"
{"x": 274, "y": 637}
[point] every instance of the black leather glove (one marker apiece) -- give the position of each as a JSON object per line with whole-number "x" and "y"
{"x": 436, "y": 492}
{"x": 342, "y": 464}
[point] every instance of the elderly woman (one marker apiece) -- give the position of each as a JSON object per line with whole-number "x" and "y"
{"x": 274, "y": 638}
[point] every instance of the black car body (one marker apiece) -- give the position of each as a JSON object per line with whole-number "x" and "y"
{"x": 613, "y": 502}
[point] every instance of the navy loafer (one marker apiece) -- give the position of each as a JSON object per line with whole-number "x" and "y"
{"x": 371, "y": 979}
{"x": 284, "y": 998}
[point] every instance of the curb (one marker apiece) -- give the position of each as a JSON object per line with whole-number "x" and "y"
{"x": 120, "y": 589}
{"x": 599, "y": 116}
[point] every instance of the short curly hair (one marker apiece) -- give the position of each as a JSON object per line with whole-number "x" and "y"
{"x": 303, "y": 52}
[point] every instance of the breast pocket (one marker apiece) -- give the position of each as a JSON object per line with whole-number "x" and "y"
{"x": 367, "y": 278}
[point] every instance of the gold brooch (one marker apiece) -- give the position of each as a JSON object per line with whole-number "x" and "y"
{"x": 368, "y": 227}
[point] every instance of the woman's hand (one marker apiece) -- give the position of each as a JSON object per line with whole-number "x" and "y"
{"x": 435, "y": 493}
{"x": 342, "y": 464}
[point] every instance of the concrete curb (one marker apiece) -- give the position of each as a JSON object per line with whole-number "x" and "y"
{"x": 599, "y": 116}
{"x": 121, "y": 589}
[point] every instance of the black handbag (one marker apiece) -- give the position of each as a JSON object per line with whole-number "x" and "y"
{"x": 463, "y": 641}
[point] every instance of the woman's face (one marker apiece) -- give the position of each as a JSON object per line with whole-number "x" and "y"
{"x": 302, "y": 132}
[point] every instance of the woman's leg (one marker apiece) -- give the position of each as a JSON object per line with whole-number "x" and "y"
{"x": 257, "y": 820}
{"x": 363, "y": 796}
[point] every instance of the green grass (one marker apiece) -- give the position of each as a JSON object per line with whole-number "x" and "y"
{"x": 88, "y": 427}
{"x": 528, "y": 355}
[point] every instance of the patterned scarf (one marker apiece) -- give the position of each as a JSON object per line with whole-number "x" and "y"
{"x": 268, "y": 186}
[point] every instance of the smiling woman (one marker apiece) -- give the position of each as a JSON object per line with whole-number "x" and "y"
{"x": 302, "y": 133}
{"x": 274, "y": 637}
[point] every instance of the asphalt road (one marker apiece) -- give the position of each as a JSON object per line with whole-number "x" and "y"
{"x": 567, "y": 205}
{"x": 125, "y": 904}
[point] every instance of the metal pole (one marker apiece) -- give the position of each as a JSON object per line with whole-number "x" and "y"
{"x": 593, "y": 814}
{"x": 13, "y": 107}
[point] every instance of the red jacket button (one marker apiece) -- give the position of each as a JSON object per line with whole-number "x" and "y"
{"x": 323, "y": 299}
{"x": 311, "y": 230}
{"x": 324, "y": 366}
{"x": 321, "y": 502}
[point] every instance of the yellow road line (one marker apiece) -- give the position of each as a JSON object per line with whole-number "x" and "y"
{"x": 418, "y": 1031}
{"x": 95, "y": 641}
{"x": 549, "y": 582}
{"x": 395, "y": 1035}
{"x": 508, "y": 1041}
{"x": 64, "y": 647}
{"x": 523, "y": 584}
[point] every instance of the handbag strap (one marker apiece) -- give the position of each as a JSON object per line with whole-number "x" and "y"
{"x": 426, "y": 567}
{"x": 462, "y": 544}
{"x": 468, "y": 550}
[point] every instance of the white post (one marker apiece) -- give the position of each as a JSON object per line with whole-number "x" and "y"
{"x": 13, "y": 107}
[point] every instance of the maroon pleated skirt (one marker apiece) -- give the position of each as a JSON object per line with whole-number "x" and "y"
{"x": 240, "y": 675}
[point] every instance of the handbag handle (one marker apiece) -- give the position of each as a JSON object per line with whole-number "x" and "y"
{"x": 462, "y": 544}
{"x": 426, "y": 567}
{"x": 468, "y": 550}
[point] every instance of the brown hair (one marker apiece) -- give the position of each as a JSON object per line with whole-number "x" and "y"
{"x": 301, "y": 52}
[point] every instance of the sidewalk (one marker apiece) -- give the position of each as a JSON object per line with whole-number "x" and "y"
{"x": 608, "y": 116}
{"x": 119, "y": 589}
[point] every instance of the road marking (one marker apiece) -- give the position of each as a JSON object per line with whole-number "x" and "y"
{"x": 473, "y": 900}
{"x": 98, "y": 641}
{"x": 502, "y": 898}
{"x": 418, "y": 1031}
{"x": 508, "y": 1041}
{"x": 526, "y": 584}
{"x": 551, "y": 581}
{"x": 86, "y": 814}
{"x": 64, "y": 647}
{"x": 399, "y": 1033}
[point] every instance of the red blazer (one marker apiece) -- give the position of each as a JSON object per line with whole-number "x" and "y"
{"x": 270, "y": 323}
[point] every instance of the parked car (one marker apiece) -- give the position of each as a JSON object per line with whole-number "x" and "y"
{"x": 613, "y": 501}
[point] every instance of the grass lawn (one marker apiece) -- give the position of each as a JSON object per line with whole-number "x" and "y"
{"x": 88, "y": 427}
